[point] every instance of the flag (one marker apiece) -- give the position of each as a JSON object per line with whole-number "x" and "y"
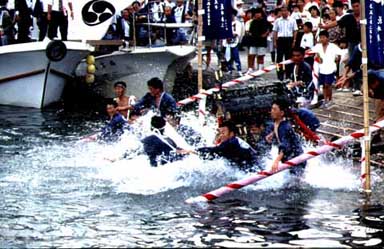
{"x": 217, "y": 20}
{"x": 375, "y": 32}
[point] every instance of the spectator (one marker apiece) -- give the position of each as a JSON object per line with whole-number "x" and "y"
{"x": 303, "y": 13}
{"x": 314, "y": 18}
{"x": 23, "y": 19}
{"x": 308, "y": 40}
{"x": 258, "y": 30}
{"x": 124, "y": 25}
{"x": 326, "y": 54}
{"x": 231, "y": 48}
{"x": 354, "y": 65}
{"x": 6, "y": 25}
{"x": 40, "y": 11}
{"x": 335, "y": 33}
{"x": 58, "y": 18}
{"x": 170, "y": 33}
{"x": 182, "y": 13}
{"x": 376, "y": 91}
{"x": 351, "y": 23}
{"x": 309, "y": 4}
{"x": 285, "y": 30}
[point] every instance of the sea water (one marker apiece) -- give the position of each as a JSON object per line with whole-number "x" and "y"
{"x": 57, "y": 190}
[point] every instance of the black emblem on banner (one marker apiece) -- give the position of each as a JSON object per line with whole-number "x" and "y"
{"x": 96, "y": 12}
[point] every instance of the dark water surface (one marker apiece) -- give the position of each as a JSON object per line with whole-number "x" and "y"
{"x": 55, "y": 191}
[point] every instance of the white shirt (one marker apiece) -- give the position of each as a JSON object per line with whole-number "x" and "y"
{"x": 55, "y": 5}
{"x": 285, "y": 27}
{"x": 307, "y": 40}
{"x": 315, "y": 22}
{"x": 126, "y": 27}
{"x": 328, "y": 66}
{"x": 157, "y": 10}
{"x": 179, "y": 13}
{"x": 305, "y": 15}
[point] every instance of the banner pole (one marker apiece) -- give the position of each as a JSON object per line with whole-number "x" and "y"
{"x": 367, "y": 137}
{"x": 199, "y": 45}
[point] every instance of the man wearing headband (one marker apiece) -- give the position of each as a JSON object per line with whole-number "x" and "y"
{"x": 158, "y": 147}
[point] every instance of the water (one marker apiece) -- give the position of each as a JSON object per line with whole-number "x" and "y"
{"x": 58, "y": 192}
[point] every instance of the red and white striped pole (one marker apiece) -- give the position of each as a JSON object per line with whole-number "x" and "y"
{"x": 291, "y": 163}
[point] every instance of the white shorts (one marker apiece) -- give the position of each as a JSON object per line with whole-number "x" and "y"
{"x": 259, "y": 51}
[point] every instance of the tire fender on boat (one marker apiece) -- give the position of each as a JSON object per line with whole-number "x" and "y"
{"x": 56, "y": 50}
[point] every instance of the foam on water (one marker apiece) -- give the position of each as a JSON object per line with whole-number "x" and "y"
{"x": 135, "y": 175}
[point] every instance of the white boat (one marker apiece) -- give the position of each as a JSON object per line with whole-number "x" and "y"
{"x": 29, "y": 79}
{"x": 137, "y": 66}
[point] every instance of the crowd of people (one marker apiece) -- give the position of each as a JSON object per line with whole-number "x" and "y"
{"x": 16, "y": 19}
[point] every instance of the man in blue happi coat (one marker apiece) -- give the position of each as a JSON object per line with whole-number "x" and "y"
{"x": 157, "y": 146}
{"x": 287, "y": 140}
{"x": 115, "y": 126}
{"x": 233, "y": 148}
{"x": 156, "y": 98}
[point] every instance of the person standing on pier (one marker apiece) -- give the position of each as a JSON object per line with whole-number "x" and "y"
{"x": 287, "y": 140}
{"x": 58, "y": 18}
{"x": 40, "y": 12}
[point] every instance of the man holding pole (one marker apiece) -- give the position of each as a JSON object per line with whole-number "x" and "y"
{"x": 288, "y": 141}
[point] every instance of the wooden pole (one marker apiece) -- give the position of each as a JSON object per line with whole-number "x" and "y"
{"x": 200, "y": 13}
{"x": 367, "y": 137}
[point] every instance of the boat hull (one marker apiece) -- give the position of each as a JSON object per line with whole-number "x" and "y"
{"x": 137, "y": 67}
{"x": 29, "y": 79}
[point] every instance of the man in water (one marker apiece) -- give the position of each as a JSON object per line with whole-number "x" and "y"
{"x": 231, "y": 147}
{"x": 258, "y": 132}
{"x": 191, "y": 136}
{"x": 156, "y": 98}
{"x": 115, "y": 126}
{"x": 288, "y": 141}
{"x": 158, "y": 147}
{"x": 122, "y": 100}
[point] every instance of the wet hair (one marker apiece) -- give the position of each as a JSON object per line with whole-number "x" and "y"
{"x": 155, "y": 83}
{"x": 112, "y": 102}
{"x": 3, "y": 2}
{"x": 121, "y": 84}
{"x": 277, "y": 10}
{"x": 324, "y": 33}
{"x": 308, "y": 25}
{"x": 338, "y": 4}
{"x": 158, "y": 122}
{"x": 283, "y": 104}
{"x": 134, "y": 113}
{"x": 355, "y": 1}
{"x": 230, "y": 125}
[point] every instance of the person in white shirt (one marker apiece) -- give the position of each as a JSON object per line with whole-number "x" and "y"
{"x": 231, "y": 47}
{"x": 303, "y": 13}
{"x": 58, "y": 11}
{"x": 314, "y": 18}
{"x": 157, "y": 10}
{"x": 327, "y": 54}
{"x": 307, "y": 41}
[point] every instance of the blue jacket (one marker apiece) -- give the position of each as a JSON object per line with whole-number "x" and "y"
{"x": 114, "y": 128}
{"x": 235, "y": 150}
{"x": 308, "y": 117}
{"x": 305, "y": 75}
{"x": 167, "y": 103}
{"x": 288, "y": 141}
{"x": 155, "y": 147}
